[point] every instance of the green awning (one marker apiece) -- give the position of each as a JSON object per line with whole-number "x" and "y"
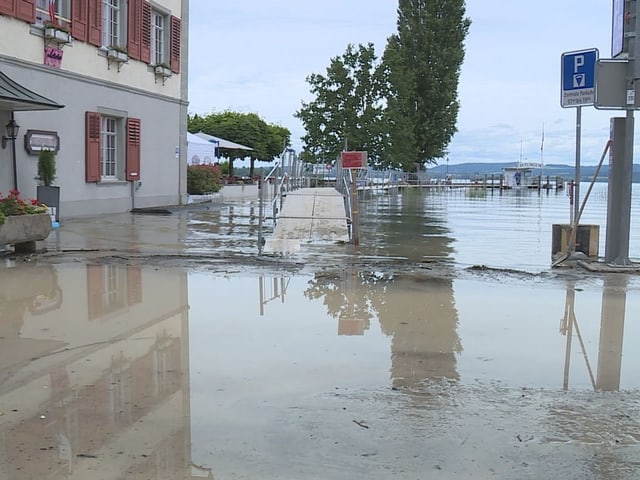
{"x": 15, "y": 97}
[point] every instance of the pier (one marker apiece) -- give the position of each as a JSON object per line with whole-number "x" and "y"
{"x": 309, "y": 215}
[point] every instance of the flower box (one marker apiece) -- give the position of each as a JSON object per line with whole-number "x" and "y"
{"x": 117, "y": 55}
{"x": 23, "y": 231}
{"x": 57, "y": 35}
{"x": 162, "y": 71}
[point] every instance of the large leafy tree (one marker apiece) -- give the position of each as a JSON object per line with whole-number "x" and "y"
{"x": 347, "y": 110}
{"x": 266, "y": 140}
{"x": 403, "y": 110}
{"x": 423, "y": 61}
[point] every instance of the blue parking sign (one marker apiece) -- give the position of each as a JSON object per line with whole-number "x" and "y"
{"x": 579, "y": 78}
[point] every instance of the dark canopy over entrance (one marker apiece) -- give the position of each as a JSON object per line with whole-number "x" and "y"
{"x": 15, "y": 97}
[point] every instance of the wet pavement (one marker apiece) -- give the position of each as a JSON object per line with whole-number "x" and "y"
{"x": 159, "y": 346}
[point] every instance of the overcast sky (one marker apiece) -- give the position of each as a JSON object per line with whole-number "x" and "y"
{"x": 255, "y": 55}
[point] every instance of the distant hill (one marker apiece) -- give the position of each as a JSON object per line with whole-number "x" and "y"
{"x": 471, "y": 170}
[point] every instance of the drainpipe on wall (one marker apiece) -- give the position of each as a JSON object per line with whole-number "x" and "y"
{"x": 184, "y": 103}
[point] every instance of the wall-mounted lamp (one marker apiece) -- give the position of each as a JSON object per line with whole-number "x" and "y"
{"x": 11, "y": 129}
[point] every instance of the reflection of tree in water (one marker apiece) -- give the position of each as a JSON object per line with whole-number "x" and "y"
{"x": 347, "y": 294}
{"x": 417, "y": 312}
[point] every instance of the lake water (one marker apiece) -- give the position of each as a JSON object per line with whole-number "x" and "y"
{"x": 508, "y": 229}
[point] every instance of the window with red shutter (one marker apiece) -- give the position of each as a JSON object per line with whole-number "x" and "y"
{"x": 26, "y": 10}
{"x": 95, "y": 22}
{"x": 134, "y": 33}
{"x": 145, "y": 37}
{"x": 175, "y": 44}
{"x": 92, "y": 146}
{"x": 80, "y": 19}
{"x": 133, "y": 149}
{"x": 7, "y": 7}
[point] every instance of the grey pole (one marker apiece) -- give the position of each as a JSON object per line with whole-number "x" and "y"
{"x": 577, "y": 180}
{"x": 626, "y": 173}
{"x": 616, "y": 178}
{"x": 626, "y": 178}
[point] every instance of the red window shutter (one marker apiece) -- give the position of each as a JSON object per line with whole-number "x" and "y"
{"x": 7, "y": 7}
{"x": 134, "y": 285}
{"x": 26, "y": 10}
{"x": 145, "y": 33}
{"x": 134, "y": 29}
{"x": 79, "y": 19}
{"x": 92, "y": 146}
{"x": 175, "y": 44}
{"x": 95, "y": 291}
{"x": 133, "y": 149}
{"x": 95, "y": 22}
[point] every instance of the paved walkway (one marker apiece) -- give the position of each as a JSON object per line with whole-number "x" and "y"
{"x": 311, "y": 215}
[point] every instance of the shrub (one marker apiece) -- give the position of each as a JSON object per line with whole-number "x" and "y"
{"x": 203, "y": 179}
{"x": 46, "y": 167}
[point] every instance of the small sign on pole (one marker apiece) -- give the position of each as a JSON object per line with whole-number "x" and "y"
{"x": 354, "y": 159}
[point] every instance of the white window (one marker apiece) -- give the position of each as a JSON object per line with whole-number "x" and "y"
{"x": 62, "y": 9}
{"x": 111, "y": 141}
{"x": 113, "y": 23}
{"x": 158, "y": 38}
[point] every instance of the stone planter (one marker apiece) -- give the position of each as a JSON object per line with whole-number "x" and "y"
{"x": 23, "y": 231}
{"x": 117, "y": 55}
{"x": 58, "y": 36}
{"x": 162, "y": 71}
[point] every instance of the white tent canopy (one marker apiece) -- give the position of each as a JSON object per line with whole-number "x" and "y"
{"x": 221, "y": 142}
{"x": 199, "y": 151}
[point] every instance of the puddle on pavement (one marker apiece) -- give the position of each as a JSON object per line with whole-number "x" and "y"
{"x": 110, "y": 371}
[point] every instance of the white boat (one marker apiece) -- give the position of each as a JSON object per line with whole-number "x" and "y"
{"x": 520, "y": 176}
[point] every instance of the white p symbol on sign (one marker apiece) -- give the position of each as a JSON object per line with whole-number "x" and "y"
{"x": 578, "y": 61}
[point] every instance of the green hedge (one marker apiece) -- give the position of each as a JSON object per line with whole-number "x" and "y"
{"x": 202, "y": 179}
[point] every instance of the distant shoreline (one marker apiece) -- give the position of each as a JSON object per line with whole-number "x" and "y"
{"x": 471, "y": 170}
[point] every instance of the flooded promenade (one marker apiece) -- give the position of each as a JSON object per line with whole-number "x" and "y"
{"x": 161, "y": 346}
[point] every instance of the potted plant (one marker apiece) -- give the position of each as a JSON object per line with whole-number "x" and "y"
{"x": 47, "y": 193}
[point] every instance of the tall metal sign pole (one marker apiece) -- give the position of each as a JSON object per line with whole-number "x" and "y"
{"x": 633, "y": 73}
{"x": 578, "y": 89}
{"x": 624, "y": 45}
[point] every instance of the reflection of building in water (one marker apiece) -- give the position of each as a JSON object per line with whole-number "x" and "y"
{"x": 420, "y": 316}
{"x": 612, "y": 317}
{"x": 104, "y": 392}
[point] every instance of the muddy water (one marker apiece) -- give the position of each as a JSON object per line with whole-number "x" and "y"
{"x": 341, "y": 370}
{"x": 109, "y": 371}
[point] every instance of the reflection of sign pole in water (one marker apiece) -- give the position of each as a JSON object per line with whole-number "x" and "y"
{"x": 614, "y": 298}
{"x": 612, "y": 319}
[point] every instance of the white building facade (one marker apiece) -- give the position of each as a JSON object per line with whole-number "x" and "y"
{"x": 113, "y": 77}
